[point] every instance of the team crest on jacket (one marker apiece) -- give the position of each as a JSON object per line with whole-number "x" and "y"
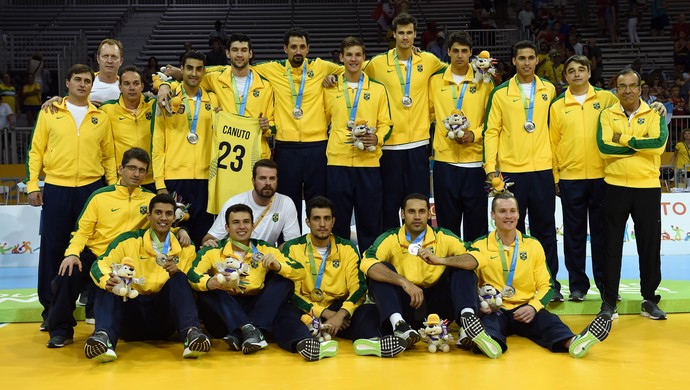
{"x": 473, "y": 89}
{"x": 142, "y": 210}
{"x": 523, "y": 255}
{"x": 310, "y": 74}
{"x": 336, "y": 263}
{"x": 275, "y": 217}
{"x": 148, "y": 116}
{"x": 208, "y": 106}
{"x": 181, "y": 109}
{"x": 640, "y": 121}
{"x": 545, "y": 96}
{"x": 420, "y": 68}
{"x": 597, "y": 106}
{"x": 256, "y": 93}
{"x": 94, "y": 121}
{"x": 367, "y": 96}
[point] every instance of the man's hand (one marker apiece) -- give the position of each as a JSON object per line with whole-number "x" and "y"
{"x": 67, "y": 264}
{"x": 36, "y": 198}
{"x": 429, "y": 257}
{"x": 416, "y": 294}
{"x": 659, "y": 108}
{"x": 211, "y": 242}
{"x": 330, "y": 81}
{"x": 270, "y": 263}
{"x": 171, "y": 267}
{"x": 163, "y": 96}
{"x": 263, "y": 122}
{"x": 48, "y": 106}
{"x": 525, "y": 314}
{"x": 369, "y": 139}
{"x": 183, "y": 238}
{"x": 558, "y": 190}
{"x": 338, "y": 322}
{"x": 110, "y": 284}
{"x": 616, "y": 137}
{"x": 467, "y": 138}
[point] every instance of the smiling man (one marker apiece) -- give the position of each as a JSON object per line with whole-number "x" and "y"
{"x": 354, "y": 176}
{"x": 516, "y": 141}
{"x": 73, "y": 146}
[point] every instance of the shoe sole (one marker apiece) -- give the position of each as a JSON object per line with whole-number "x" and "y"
{"x": 312, "y": 350}
{"x": 251, "y": 347}
{"x": 651, "y": 317}
{"x": 233, "y": 343}
{"x": 197, "y": 347}
{"x": 576, "y": 299}
{"x": 388, "y": 346}
{"x": 410, "y": 336}
{"x": 475, "y": 331}
{"x": 90, "y": 321}
{"x": 597, "y": 331}
{"x": 98, "y": 351}
{"x": 60, "y": 345}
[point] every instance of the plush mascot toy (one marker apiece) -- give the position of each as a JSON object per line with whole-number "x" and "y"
{"x": 124, "y": 272}
{"x": 456, "y": 124}
{"x": 317, "y": 329}
{"x": 235, "y": 267}
{"x": 489, "y": 297}
{"x": 435, "y": 334}
{"x": 483, "y": 69}
{"x": 361, "y": 127}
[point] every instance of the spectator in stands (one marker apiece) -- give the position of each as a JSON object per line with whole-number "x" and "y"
{"x": 680, "y": 106}
{"x": 646, "y": 96}
{"x": 217, "y": 55}
{"x": 6, "y": 117}
{"x": 335, "y": 57}
{"x": 574, "y": 44}
{"x": 151, "y": 69}
{"x": 612, "y": 20}
{"x": 106, "y": 86}
{"x": 383, "y": 15}
{"x": 218, "y": 33}
{"x": 681, "y": 152}
{"x": 526, "y": 16}
{"x": 429, "y": 35}
{"x": 553, "y": 70}
{"x": 659, "y": 17}
{"x": 633, "y": 16}
{"x": 187, "y": 47}
{"x": 70, "y": 177}
{"x": 681, "y": 52}
{"x": 438, "y": 47}
{"x": 678, "y": 26}
{"x": 36, "y": 68}
{"x": 582, "y": 12}
{"x": 8, "y": 94}
{"x": 31, "y": 95}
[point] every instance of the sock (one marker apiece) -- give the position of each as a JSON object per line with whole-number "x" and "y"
{"x": 395, "y": 318}
{"x": 467, "y": 310}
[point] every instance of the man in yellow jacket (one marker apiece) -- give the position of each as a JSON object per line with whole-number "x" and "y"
{"x": 153, "y": 300}
{"x": 74, "y": 147}
{"x": 631, "y": 139}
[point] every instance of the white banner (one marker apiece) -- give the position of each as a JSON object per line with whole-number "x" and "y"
{"x": 19, "y": 239}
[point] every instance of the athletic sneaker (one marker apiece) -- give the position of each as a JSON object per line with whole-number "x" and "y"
{"x": 576, "y": 296}
{"x": 597, "y": 331}
{"x": 610, "y": 311}
{"x": 652, "y": 311}
{"x": 83, "y": 299}
{"x": 98, "y": 347}
{"x": 44, "y": 326}
{"x": 405, "y": 332}
{"x": 252, "y": 339}
{"x": 90, "y": 320}
{"x": 464, "y": 341}
{"x": 195, "y": 344}
{"x": 476, "y": 332}
{"x": 557, "y": 297}
{"x": 59, "y": 341}
{"x": 233, "y": 342}
{"x": 387, "y": 346}
{"x": 312, "y": 350}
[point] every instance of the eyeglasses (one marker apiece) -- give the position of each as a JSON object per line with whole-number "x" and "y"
{"x": 133, "y": 168}
{"x": 632, "y": 87}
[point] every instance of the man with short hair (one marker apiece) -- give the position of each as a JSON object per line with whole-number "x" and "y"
{"x": 74, "y": 147}
{"x": 526, "y": 287}
{"x": 163, "y": 303}
{"x": 516, "y": 142}
{"x": 631, "y": 139}
{"x": 407, "y": 287}
{"x": 105, "y": 85}
{"x": 405, "y": 160}
{"x": 249, "y": 306}
{"x": 130, "y": 117}
{"x": 181, "y": 146}
{"x": 459, "y": 193}
{"x": 333, "y": 293}
{"x": 274, "y": 213}
{"x": 354, "y": 176}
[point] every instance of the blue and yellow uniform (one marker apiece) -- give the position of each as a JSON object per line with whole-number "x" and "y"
{"x": 130, "y": 129}
{"x": 458, "y": 175}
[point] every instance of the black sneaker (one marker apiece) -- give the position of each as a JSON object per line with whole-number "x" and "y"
{"x": 597, "y": 331}
{"x": 312, "y": 350}
{"x": 83, "y": 299}
{"x": 405, "y": 332}
{"x": 252, "y": 339}
{"x": 608, "y": 310}
{"x": 557, "y": 297}
{"x": 576, "y": 296}
{"x": 652, "y": 311}
{"x": 44, "y": 326}
{"x": 195, "y": 344}
{"x": 233, "y": 342}
{"x": 58, "y": 341}
{"x": 464, "y": 341}
{"x": 98, "y": 347}
{"x": 476, "y": 332}
{"x": 387, "y": 346}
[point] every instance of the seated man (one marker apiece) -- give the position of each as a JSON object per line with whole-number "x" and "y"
{"x": 333, "y": 293}
{"x": 246, "y": 308}
{"x": 525, "y": 285}
{"x": 406, "y": 287}
{"x": 165, "y": 303}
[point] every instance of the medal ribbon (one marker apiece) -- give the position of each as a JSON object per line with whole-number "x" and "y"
{"x": 261, "y": 217}
{"x": 508, "y": 275}
{"x": 317, "y": 277}
{"x": 297, "y": 97}
{"x": 197, "y": 104}
{"x": 404, "y": 84}
{"x": 251, "y": 248}
{"x": 420, "y": 238}
{"x": 158, "y": 246}
{"x": 529, "y": 110}
{"x": 353, "y": 109}
{"x": 458, "y": 102}
{"x": 241, "y": 105}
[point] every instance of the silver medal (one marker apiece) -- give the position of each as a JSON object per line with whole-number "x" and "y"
{"x": 530, "y": 126}
{"x": 297, "y": 113}
{"x": 414, "y": 249}
{"x": 407, "y": 101}
{"x": 161, "y": 259}
{"x": 508, "y": 292}
{"x": 192, "y": 138}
